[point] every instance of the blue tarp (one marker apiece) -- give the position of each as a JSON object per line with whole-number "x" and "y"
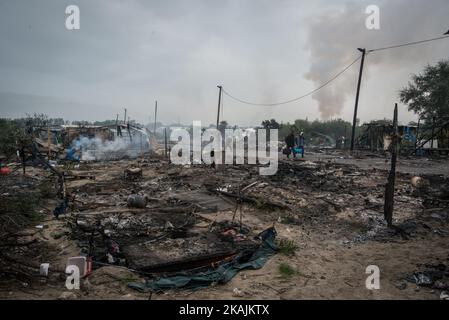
{"x": 71, "y": 154}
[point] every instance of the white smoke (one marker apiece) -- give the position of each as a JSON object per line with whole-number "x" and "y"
{"x": 92, "y": 149}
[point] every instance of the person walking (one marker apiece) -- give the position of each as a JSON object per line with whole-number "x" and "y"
{"x": 290, "y": 142}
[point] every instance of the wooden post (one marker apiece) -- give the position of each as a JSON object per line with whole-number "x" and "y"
{"x": 433, "y": 132}
{"x": 155, "y": 118}
{"x": 389, "y": 190}
{"x": 48, "y": 141}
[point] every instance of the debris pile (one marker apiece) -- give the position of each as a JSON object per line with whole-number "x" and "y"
{"x": 188, "y": 227}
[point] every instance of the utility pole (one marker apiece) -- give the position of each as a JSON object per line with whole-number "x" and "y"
{"x": 354, "y": 121}
{"x": 219, "y": 104}
{"x": 124, "y": 119}
{"x": 155, "y": 118}
{"x": 48, "y": 140}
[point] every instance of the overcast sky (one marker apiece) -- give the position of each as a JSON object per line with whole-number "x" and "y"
{"x": 131, "y": 53}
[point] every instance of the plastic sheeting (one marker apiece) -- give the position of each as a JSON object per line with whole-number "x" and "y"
{"x": 222, "y": 274}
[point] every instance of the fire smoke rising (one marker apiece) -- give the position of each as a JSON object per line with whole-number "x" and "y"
{"x": 334, "y": 37}
{"x": 96, "y": 149}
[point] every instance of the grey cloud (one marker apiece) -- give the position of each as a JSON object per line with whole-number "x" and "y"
{"x": 130, "y": 53}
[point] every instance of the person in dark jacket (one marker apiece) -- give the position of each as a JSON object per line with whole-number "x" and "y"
{"x": 290, "y": 142}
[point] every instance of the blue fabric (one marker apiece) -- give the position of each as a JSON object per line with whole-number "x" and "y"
{"x": 71, "y": 154}
{"x": 298, "y": 150}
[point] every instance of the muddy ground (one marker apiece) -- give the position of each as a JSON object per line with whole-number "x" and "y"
{"x": 329, "y": 205}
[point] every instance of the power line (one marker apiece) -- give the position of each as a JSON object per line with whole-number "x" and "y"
{"x": 295, "y": 99}
{"x": 333, "y": 78}
{"x": 408, "y": 44}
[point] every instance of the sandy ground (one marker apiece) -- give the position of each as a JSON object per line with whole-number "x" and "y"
{"x": 329, "y": 263}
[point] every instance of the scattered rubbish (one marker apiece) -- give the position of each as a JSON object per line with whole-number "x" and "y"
{"x": 444, "y": 295}
{"x": 434, "y": 276}
{"x": 441, "y": 285}
{"x": 81, "y": 223}
{"x": 43, "y": 269}
{"x": 237, "y": 293}
{"x": 225, "y": 189}
{"x": 418, "y": 182}
{"x": 53, "y": 163}
{"x": 137, "y": 201}
{"x": 401, "y": 286}
{"x": 133, "y": 174}
{"x": 233, "y": 235}
{"x": 81, "y": 263}
{"x": 5, "y": 171}
{"x": 169, "y": 225}
{"x": 421, "y": 279}
{"x": 111, "y": 259}
{"x": 222, "y": 273}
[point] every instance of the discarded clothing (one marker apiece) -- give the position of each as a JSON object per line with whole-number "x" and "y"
{"x": 61, "y": 208}
{"x": 224, "y": 273}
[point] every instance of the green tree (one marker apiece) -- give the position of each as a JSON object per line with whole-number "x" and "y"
{"x": 270, "y": 124}
{"x": 222, "y": 126}
{"x": 13, "y": 136}
{"x": 427, "y": 94}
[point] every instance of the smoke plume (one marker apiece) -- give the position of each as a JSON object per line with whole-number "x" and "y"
{"x": 334, "y": 37}
{"x": 94, "y": 149}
